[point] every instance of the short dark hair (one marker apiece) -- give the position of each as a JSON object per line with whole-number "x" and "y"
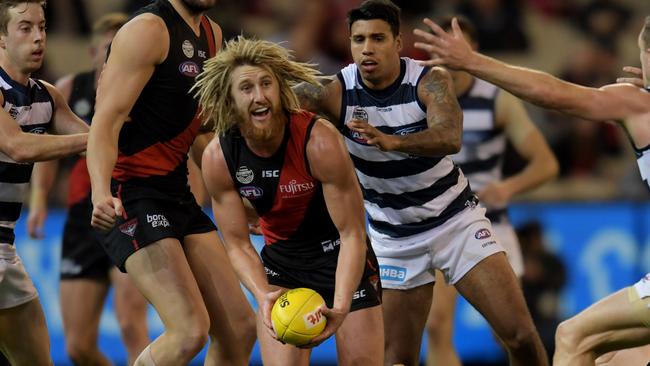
{"x": 110, "y": 22}
{"x": 465, "y": 24}
{"x": 645, "y": 33}
{"x": 5, "y": 5}
{"x": 376, "y": 9}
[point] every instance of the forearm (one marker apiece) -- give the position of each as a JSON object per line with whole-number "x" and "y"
{"x": 42, "y": 181}
{"x": 537, "y": 172}
{"x": 249, "y": 269}
{"x": 101, "y": 158}
{"x": 535, "y": 86}
{"x": 28, "y": 148}
{"x": 439, "y": 140}
{"x": 349, "y": 269}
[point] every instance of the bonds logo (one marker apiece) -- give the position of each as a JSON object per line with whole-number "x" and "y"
{"x": 251, "y": 192}
{"x": 129, "y": 227}
{"x": 189, "y": 68}
{"x": 157, "y": 220}
{"x": 188, "y": 49}
{"x": 244, "y": 175}
{"x": 483, "y": 234}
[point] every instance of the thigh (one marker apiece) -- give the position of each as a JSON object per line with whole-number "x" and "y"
{"x": 360, "y": 339}
{"x": 626, "y": 357}
{"x": 443, "y": 306}
{"x": 227, "y": 306}
{"x": 82, "y": 302}
{"x": 275, "y": 353}
{"x": 23, "y": 335}
{"x": 492, "y": 288}
{"x": 162, "y": 274}
{"x": 130, "y": 305}
{"x": 505, "y": 234}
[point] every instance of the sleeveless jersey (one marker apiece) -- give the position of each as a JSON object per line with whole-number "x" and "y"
{"x": 153, "y": 145}
{"x": 297, "y": 227}
{"x": 32, "y": 108}
{"x": 481, "y": 156}
{"x": 642, "y": 157}
{"x": 82, "y": 103}
{"x": 403, "y": 194}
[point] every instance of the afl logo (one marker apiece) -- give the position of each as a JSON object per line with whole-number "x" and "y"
{"x": 251, "y": 192}
{"x": 482, "y": 234}
{"x": 244, "y": 175}
{"x": 189, "y": 68}
{"x": 188, "y": 49}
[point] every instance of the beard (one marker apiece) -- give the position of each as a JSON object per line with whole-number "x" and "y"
{"x": 267, "y": 133}
{"x": 198, "y": 6}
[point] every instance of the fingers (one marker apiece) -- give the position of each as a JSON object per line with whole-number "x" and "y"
{"x": 103, "y": 217}
{"x": 633, "y": 70}
{"x": 117, "y": 204}
{"x": 634, "y": 81}
{"x": 456, "y": 27}
{"x": 435, "y": 28}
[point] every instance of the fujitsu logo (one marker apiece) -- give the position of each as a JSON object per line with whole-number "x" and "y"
{"x": 296, "y": 189}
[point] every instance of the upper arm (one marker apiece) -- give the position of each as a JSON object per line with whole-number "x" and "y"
{"x": 65, "y": 122}
{"x": 331, "y": 165}
{"x": 137, "y": 48}
{"x": 324, "y": 99}
{"x": 436, "y": 91}
{"x": 511, "y": 115}
{"x": 227, "y": 205}
{"x": 612, "y": 102}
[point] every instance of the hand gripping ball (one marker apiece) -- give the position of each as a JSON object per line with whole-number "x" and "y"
{"x": 296, "y": 316}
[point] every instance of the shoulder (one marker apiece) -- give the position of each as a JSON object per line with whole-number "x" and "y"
{"x": 629, "y": 96}
{"x": 324, "y": 138}
{"x": 146, "y": 34}
{"x": 51, "y": 90}
{"x": 218, "y": 34}
{"x": 434, "y": 85}
{"x": 435, "y": 75}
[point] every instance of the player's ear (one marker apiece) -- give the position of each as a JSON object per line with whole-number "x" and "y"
{"x": 398, "y": 40}
{"x": 3, "y": 42}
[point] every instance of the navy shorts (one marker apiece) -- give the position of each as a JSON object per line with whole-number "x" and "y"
{"x": 321, "y": 278}
{"x": 150, "y": 219}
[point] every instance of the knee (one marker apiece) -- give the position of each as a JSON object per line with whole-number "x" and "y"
{"x": 437, "y": 326}
{"x": 190, "y": 342}
{"x": 249, "y": 332}
{"x": 523, "y": 337}
{"x": 567, "y": 337}
{"x": 80, "y": 352}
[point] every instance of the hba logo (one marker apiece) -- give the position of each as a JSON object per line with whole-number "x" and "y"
{"x": 392, "y": 273}
{"x": 189, "y": 68}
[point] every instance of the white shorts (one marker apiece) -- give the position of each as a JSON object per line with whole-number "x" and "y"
{"x": 507, "y": 237}
{"x": 643, "y": 287}
{"x": 16, "y": 288}
{"x": 454, "y": 248}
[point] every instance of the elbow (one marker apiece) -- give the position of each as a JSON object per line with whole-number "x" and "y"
{"x": 553, "y": 168}
{"x": 453, "y": 145}
{"x": 19, "y": 152}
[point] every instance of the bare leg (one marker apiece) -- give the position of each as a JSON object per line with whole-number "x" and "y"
{"x": 131, "y": 313}
{"x": 360, "y": 339}
{"x": 82, "y": 303}
{"x": 23, "y": 335}
{"x": 405, "y": 314}
{"x": 163, "y": 276}
{"x": 608, "y": 325}
{"x": 232, "y": 320}
{"x": 492, "y": 288}
{"x": 626, "y": 357}
{"x": 440, "y": 325}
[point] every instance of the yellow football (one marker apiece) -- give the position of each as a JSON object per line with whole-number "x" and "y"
{"x": 296, "y": 316}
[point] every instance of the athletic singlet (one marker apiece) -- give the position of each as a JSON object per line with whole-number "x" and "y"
{"x": 481, "y": 155}
{"x": 642, "y": 156}
{"x": 32, "y": 107}
{"x": 82, "y": 103}
{"x": 153, "y": 145}
{"x": 403, "y": 194}
{"x": 288, "y": 199}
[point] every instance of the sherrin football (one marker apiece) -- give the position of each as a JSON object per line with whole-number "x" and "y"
{"x": 296, "y": 316}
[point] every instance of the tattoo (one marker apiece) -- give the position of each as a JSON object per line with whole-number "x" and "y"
{"x": 311, "y": 96}
{"x": 436, "y": 85}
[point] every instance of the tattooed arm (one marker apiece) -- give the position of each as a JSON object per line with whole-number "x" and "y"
{"x": 444, "y": 120}
{"x": 324, "y": 99}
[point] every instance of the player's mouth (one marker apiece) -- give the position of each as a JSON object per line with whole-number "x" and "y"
{"x": 37, "y": 54}
{"x": 368, "y": 65}
{"x": 261, "y": 113}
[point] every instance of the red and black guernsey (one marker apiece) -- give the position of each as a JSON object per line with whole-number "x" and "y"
{"x": 153, "y": 145}
{"x": 82, "y": 103}
{"x": 297, "y": 227}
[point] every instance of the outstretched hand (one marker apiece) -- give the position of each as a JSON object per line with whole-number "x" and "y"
{"x": 635, "y": 76}
{"x": 265, "y": 311}
{"x": 334, "y": 320}
{"x": 445, "y": 49}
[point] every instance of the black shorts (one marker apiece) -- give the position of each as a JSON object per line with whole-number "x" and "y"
{"x": 321, "y": 279}
{"x": 147, "y": 220}
{"x": 82, "y": 256}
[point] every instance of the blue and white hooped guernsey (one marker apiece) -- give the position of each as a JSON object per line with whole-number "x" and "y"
{"x": 32, "y": 108}
{"x": 481, "y": 156}
{"x": 403, "y": 194}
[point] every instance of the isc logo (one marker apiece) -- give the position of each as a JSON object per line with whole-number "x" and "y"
{"x": 270, "y": 173}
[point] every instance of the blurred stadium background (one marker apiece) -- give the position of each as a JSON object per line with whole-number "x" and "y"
{"x": 584, "y": 235}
